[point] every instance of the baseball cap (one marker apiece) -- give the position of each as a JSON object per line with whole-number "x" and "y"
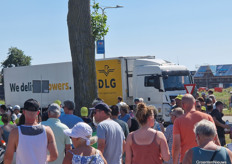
{"x": 54, "y": 107}
{"x": 179, "y": 97}
{"x": 203, "y": 108}
{"x": 80, "y": 130}
{"x": 97, "y": 101}
{"x": 16, "y": 107}
{"x": 31, "y": 105}
{"x": 84, "y": 111}
{"x": 136, "y": 100}
{"x": 102, "y": 106}
{"x": 57, "y": 102}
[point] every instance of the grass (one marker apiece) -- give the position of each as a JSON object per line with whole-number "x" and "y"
{"x": 224, "y": 97}
{"x": 228, "y": 140}
{"x": 2, "y": 102}
{"x": 227, "y": 112}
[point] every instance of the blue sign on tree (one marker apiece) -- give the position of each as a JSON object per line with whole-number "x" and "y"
{"x": 100, "y": 47}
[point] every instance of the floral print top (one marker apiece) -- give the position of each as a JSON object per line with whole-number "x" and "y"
{"x": 93, "y": 159}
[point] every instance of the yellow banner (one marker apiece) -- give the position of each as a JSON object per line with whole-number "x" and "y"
{"x": 109, "y": 80}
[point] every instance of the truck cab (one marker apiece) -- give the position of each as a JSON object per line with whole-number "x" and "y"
{"x": 158, "y": 81}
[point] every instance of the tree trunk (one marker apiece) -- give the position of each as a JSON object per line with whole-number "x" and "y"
{"x": 83, "y": 53}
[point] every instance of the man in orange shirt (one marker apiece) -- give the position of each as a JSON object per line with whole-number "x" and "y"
{"x": 183, "y": 135}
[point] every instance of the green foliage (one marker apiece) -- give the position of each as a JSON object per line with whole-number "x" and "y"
{"x": 2, "y": 102}
{"x": 16, "y": 57}
{"x": 98, "y": 22}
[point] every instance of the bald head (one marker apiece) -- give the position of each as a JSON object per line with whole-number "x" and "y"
{"x": 188, "y": 102}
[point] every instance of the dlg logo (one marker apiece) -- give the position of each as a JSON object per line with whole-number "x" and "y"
{"x": 106, "y": 83}
{"x": 106, "y": 70}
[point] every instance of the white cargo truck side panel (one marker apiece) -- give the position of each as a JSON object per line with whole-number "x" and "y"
{"x": 19, "y": 83}
{"x": 127, "y": 75}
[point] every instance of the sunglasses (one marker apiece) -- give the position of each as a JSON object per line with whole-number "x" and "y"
{"x": 198, "y": 106}
{"x": 95, "y": 111}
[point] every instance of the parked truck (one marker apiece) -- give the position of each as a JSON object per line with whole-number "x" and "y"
{"x": 155, "y": 80}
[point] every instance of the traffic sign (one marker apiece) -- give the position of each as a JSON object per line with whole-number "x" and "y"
{"x": 100, "y": 47}
{"x": 189, "y": 88}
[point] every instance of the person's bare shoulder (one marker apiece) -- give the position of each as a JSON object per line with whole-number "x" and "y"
{"x": 50, "y": 134}
{"x": 230, "y": 153}
{"x": 188, "y": 157}
{"x": 159, "y": 134}
{"x": 14, "y": 131}
{"x": 13, "y": 137}
{"x": 129, "y": 137}
{"x": 48, "y": 129}
{"x": 13, "y": 126}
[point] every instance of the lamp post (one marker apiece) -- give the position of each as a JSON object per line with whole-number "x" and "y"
{"x": 103, "y": 14}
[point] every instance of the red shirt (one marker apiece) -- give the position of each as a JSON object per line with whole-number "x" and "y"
{"x": 184, "y": 126}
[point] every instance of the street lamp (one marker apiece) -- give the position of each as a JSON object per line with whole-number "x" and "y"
{"x": 103, "y": 13}
{"x": 109, "y": 7}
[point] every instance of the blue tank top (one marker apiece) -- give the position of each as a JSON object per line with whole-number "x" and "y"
{"x": 5, "y": 135}
{"x": 202, "y": 155}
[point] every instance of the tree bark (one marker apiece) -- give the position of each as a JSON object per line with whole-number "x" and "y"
{"x": 83, "y": 53}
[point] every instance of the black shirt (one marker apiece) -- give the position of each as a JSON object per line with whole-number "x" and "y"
{"x": 134, "y": 125}
{"x": 218, "y": 115}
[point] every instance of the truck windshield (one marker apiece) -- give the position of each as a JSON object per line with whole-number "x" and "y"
{"x": 172, "y": 83}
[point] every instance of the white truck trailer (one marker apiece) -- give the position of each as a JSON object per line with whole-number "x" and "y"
{"x": 156, "y": 81}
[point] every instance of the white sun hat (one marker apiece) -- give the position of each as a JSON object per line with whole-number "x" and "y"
{"x": 80, "y": 130}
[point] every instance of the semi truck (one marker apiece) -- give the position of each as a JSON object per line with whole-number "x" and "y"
{"x": 155, "y": 80}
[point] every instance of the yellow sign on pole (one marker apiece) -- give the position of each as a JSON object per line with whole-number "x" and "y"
{"x": 109, "y": 80}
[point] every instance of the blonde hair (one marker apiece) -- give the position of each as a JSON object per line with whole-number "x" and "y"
{"x": 93, "y": 140}
{"x": 124, "y": 108}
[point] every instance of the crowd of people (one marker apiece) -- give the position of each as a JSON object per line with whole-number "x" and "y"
{"x": 115, "y": 134}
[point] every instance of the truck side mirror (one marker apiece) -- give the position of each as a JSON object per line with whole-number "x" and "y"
{"x": 165, "y": 76}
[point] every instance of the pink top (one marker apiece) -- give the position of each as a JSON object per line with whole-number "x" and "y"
{"x": 146, "y": 153}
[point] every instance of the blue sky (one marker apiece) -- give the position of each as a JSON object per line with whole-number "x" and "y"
{"x": 190, "y": 33}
